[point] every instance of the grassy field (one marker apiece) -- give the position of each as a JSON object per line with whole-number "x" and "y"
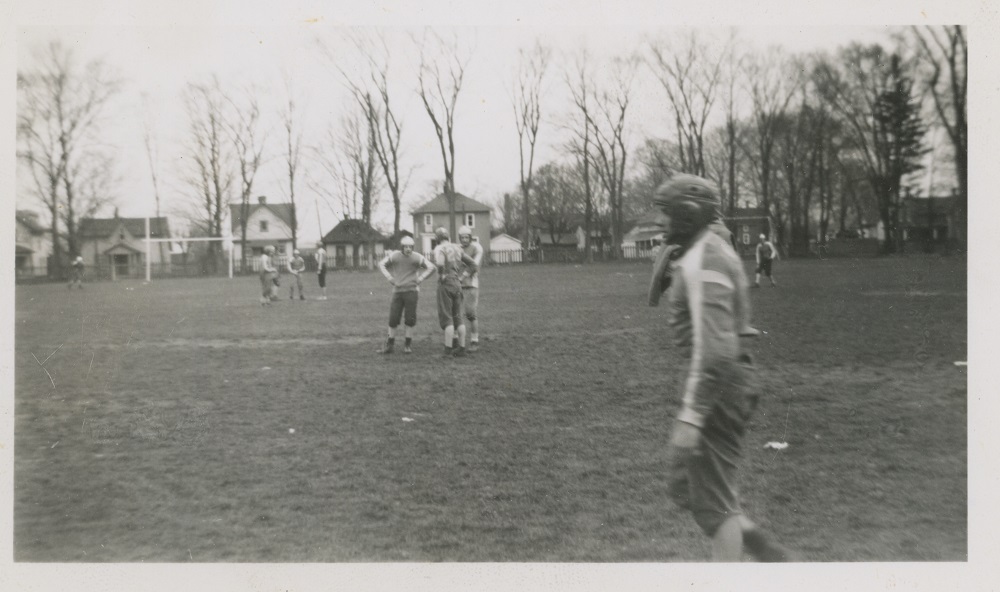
{"x": 154, "y": 422}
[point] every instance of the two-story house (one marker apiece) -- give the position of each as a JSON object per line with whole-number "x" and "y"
{"x": 32, "y": 245}
{"x": 434, "y": 214}
{"x": 267, "y": 224}
{"x": 116, "y": 247}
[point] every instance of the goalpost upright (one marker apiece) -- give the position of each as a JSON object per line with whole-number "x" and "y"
{"x": 227, "y": 241}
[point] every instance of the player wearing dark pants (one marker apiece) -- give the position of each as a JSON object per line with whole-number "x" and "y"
{"x": 766, "y": 253}
{"x": 402, "y": 270}
{"x": 452, "y": 264}
{"x": 320, "y": 257}
{"x": 77, "y": 279}
{"x": 708, "y": 311}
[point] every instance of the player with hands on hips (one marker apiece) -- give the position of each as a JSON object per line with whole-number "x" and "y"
{"x": 470, "y": 285}
{"x": 405, "y": 270}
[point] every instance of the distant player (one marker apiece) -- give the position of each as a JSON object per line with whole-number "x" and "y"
{"x": 708, "y": 307}
{"x": 451, "y": 263}
{"x": 403, "y": 270}
{"x": 320, "y": 257}
{"x": 470, "y": 285}
{"x": 77, "y": 279}
{"x": 766, "y": 254}
{"x": 268, "y": 275}
{"x": 296, "y": 265}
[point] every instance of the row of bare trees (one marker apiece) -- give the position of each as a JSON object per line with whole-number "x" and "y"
{"x": 62, "y": 105}
{"x": 825, "y": 143}
{"x": 821, "y": 141}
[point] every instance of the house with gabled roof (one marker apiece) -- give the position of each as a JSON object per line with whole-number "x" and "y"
{"x": 267, "y": 224}
{"x": 118, "y": 245}
{"x": 434, "y": 214}
{"x": 353, "y": 244}
{"x": 32, "y": 245}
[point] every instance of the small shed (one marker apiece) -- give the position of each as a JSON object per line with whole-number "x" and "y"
{"x": 504, "y": 248}
{"x": 354, "y": 244}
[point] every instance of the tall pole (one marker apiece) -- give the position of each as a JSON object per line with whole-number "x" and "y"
{"x": 148, "y": 251}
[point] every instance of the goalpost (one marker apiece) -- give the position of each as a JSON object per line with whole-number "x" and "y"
{"x": 227, "y": 244}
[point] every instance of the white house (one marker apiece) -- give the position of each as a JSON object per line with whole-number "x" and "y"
{"x": 505, "y": 249}
{"x": 267, "y": 224}
{"x": 32, "y": 245}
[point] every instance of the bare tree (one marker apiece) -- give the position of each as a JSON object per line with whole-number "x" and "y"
{"x": 580, "y": 83}
{"x": 690, "y": 74}
{"x": 293, "y": 148}
{"x": 211, "y": 173}
{"x": 771, "y": 89}
{"x": 526, "y": 100}
{"x": 871, "y": 90}
{"x": 945, "y": 50}
{"x": 440, "y": 77}
{"x": 60, "y": 110}
{"x": 370, "y": 90}
{"x": 248, "y": 142}
{"x": 610, "y": 142}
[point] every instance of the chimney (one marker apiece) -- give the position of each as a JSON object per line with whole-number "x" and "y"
{"x": 262, "y": 199}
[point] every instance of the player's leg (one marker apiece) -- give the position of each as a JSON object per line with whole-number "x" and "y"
{"x": 470, "y": 297}
{"x": 756, "y": 277}
{"x": 444, "y": 318}
{"x": 298, "y": 283}
{"x": 395, "y": 314}
{"x": 409, "y": 319}
{"x": 770, "y": 272}
{"x": 265, "y": 290}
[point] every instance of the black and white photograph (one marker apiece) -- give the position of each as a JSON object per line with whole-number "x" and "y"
{"x": 386, "y": 296}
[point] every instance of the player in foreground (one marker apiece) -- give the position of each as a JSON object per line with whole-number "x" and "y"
{"x": 766, "y": 254}
{"x": 268, "y": 276}
{"x": 320, "y": 257}
{"x": 708, "y": 307}
{"x": 470, "y": 285}
{"x": 452, "y": 263}
{"x": 402, "y": 269}
{"x": 296, "y": 265}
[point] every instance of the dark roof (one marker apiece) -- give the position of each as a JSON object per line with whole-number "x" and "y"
{"x": 281, "y": 210}
{"x": 352, "y": 232}
{"x": 103, "y": 227}
{"x": 462, "y": 204}
{"x": 30, "y": 219}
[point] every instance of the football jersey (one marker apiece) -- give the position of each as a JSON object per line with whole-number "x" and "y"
{"x": 403, "y": 269}
{"x": 448, "y": 258}
{"x": 708, "y": 305}
{"x": 475, "y": 252}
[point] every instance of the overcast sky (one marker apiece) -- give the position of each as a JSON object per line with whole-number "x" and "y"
{"x": 159, "y": 50}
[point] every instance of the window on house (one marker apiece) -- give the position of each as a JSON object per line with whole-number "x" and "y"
{"x": 470, "y": 220}
{"x": 428, "y": 222}
{"x": 263, "y": 225}
{"x": 746, "y": 228}
{"x": 121, "y": 236}
{"x": 746, "y": 237}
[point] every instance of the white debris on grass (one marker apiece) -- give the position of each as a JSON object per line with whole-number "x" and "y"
{"x": 291, "y": 430}
{"x": 776, "y": 445}
{"x": 408, "y": 419}
{"x": 961, "y": 363}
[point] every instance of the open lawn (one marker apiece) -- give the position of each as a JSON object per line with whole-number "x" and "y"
{"x": 154, "y": 422}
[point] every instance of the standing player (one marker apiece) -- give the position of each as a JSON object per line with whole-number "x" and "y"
{"x": 402, "y": 269}
{"x": 320, "y": 257}
{"x": 470, "y": 285}
{"x": 268, "y": 275}
{"x": 708, "y": 306}
{"x": 451, "y": 263}
{"x": 77, "y": 279}
{"x": 766, "y": 253}
{"x": 296, "y": 265}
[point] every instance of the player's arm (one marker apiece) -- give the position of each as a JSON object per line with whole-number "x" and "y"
{"x": 383, "y": 266}
{"x": 429, "y": 269}
{"x": 470, "y": 264}
{"x": 288, "y": 266}
{"x": 774, "y": 252}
